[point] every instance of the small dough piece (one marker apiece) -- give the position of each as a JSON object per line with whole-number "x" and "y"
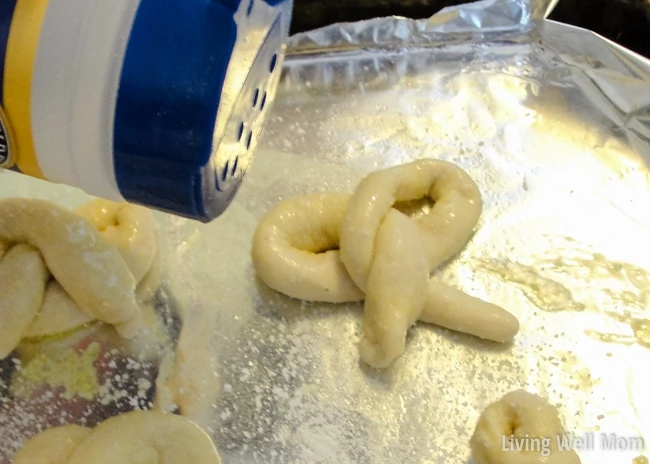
{"x": 529, "y": 419}
{"x": 146, "y": 437}
{"x": 84, "y": 263}
{"x": 188, "y": 379}
{"x": 54, "y": 446}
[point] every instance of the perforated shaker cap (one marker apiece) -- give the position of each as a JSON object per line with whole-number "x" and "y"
{"x": 197, "y": 83}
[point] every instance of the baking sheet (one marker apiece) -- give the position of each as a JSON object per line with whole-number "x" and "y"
{"x": 551, "y": 122}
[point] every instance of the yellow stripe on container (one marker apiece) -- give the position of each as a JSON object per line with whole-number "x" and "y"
{"x": 20, "y": 60}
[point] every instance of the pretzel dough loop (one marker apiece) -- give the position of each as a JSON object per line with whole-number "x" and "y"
{"x": 296, "y": 249}
{"x": 444, "y": 231}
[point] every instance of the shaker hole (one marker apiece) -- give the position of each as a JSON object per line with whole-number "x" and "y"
{"x": 274, "y": 62}
{"x": 249, "y": 140}
{"x": 249, "y": 10}
{"x": 224, "y": 174}
{"x": 234, "y": 167}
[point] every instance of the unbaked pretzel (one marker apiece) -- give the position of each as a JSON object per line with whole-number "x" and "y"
{"x": 131, "y": 438}
{"x": 91, "y": 270}
{"x": 335, "y": 247}
{"x": 521, "y": 428}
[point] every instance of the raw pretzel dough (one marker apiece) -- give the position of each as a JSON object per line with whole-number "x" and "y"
{"x": 54, "y": 446}
{"x": 59, "y": 314}
{"x": 187, "y": 379}
{"x": 385, "y": 256}
{"x": 95, "y": 271}
{"x": 86, "y": 265}
{"x": 136, "y": 437}
{"x": 132, "y": 229}
{"x": 527, "y": 417}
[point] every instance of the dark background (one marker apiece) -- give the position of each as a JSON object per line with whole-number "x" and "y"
{"x": 626, "y": 22}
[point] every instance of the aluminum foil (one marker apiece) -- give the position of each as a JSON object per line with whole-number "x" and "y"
{"x": 553, "y": 122}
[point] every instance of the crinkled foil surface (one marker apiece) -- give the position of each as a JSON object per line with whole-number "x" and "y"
{"x": 553, "y": 122}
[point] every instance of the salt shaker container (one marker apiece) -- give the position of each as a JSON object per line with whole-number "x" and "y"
{"x": 155, "y": 102}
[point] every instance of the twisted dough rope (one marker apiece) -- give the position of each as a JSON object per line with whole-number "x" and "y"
{"x": 91, "y": 269}
{"x": 136, "y": 437}
{"x": 528, "y": 418}
{"x": 385, "y": 256}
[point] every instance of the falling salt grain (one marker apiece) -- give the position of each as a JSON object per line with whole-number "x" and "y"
{"x": 76, "y": 232}
{"x": 92, "y": 259}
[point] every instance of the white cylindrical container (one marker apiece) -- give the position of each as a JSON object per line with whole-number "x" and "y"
{"x": 134, "y": 101}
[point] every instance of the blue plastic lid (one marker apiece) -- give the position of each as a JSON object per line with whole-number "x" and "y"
{"x": 197, "y": 82}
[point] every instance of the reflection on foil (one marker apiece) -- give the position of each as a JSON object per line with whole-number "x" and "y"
{"x": 640, "y": 327}
{"x": 473, "y": 21}
{"x": 545, "y": 293}
{"x": 618, "y": 290}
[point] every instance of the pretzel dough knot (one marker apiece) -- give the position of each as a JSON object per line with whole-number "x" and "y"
{"x": 334, "y": 247}
{"x": 60, "y": 269}
{"x": 137, "y": 437}
{"x": 521, "y": 428}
